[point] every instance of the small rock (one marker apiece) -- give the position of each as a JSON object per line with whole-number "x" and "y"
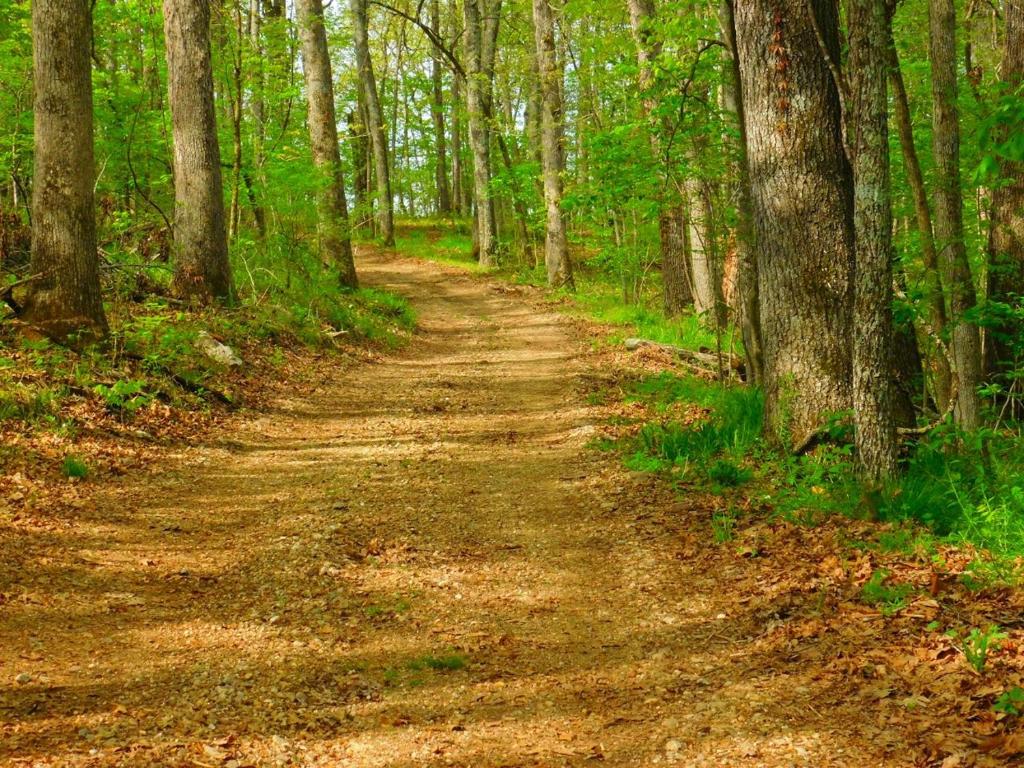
{"x": 23, "y": 679}
{"x": 216, "y": 351}
{"x": 673, "y": 745}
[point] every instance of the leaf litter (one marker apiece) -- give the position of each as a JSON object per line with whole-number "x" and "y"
{"x": 417, "y": 560}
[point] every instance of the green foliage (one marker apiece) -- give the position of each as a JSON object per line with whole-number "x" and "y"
{"x": 1010, "y": 702}
{"x": 445, "y": 663}
{"x": 889, "y": 598}
{"x": 124, "y": 396}
{"x": 727, "y": 474}
{"x": 979, "y": 643}
{"x": 723, "y": 524}
{"x": 733, "y": 425}
{"x": 287, "y": 294}
{"x": 74, "y": 467}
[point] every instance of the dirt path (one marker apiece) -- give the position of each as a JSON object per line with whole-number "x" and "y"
{"x": 419, "y": 563}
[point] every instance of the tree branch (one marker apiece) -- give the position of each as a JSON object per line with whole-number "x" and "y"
{"x": 434, "y": 38}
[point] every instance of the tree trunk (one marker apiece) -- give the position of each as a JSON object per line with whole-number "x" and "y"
{"x": 65, "y": 299}
{"x": 949, "y": 226}
{"x": 704, "y": 268}
{"x": 444, "y": 197}
{"x": 460, "y": 194}
{"x": 332, "y": 207}
{"x": 1006, "y": 234}
{"x": 479, "y": 74}
{"x": 237, "y": 90}
{"x": 874, "y": 424}
{"x": 375, "y": 121}
{"x": 746, "y": 304}
{"x": 801, "y": 196}
{"x": 202, "y": 272}
{"x": 936, "y": 304}
{"x": 556, "y": 247}
{"x": 360, "y": 163}
{"x": 675, "y": 261}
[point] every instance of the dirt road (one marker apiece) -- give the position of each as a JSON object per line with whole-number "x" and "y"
{"x": 419, "y": 563}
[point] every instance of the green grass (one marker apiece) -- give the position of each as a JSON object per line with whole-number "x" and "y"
{"x": 447, "y": 246}
{"x": 600, "y": 301}
{"x": 888, "y": 598}
{"x": 446, "y": 663}
{"x": 74, "y": 467}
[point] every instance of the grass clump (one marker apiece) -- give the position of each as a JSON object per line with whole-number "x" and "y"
{"x": 714, "y": 444}
{"x": 74, "y": 468}
{"x": 889, "y": 598}
{"x": 446, "y": 663}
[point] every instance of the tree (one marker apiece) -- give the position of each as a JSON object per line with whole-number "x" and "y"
{"x": 1006, "y": 234}
{"x": 444, "y": 195}
{"x": 202, "y": 271}
{"x": 746, "y": 308}
{"x": 801, "y": 199}
{"x": 332, "y": 207}
{"x": 556, "y": 248}
{"x": 374, "y": 122}
{"x": 949, "y": 225}
{"x": 64, "y": 295}
{"x": 482, "y": 21}
{"x": 867, "y": 129}
{"x": 677, "y": 283}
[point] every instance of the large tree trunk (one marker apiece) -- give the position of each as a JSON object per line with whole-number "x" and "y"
{"x": 746, "y": 304}
{"x": 202, "y": 272}
{"x": 1006, "y": 235}
{"x": 556, "y": 247}
{"x": 675, "y": 261}
{"x": 801, "y": 195}
{"x": 332, "y": 207}
{"x": 64, "y": 299}
{"x": 444, "y": 197}
{"x": 949, "y": 226}
{"x": 873, "y": 395}
{"x": 375, "y": 121}
{"x": 936, "y": 304}
{"x": 481, "y": 37}
{"x": 677, "y": 285}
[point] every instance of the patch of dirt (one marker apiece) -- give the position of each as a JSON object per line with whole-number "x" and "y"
{"x": 419, "y": 562}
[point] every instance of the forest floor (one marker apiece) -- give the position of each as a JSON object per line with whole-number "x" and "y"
{"x": 420, "y": 561}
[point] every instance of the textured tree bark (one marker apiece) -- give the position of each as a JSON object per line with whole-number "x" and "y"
{"x": 1006, "y": 234}
{"x": 704, "y": 270}
{"x": 936, "y": 304}
{"x": 360, "y": 166}
{"x": 556, "y": 247}
{"x": 64, "y": 300}
{"x": 746, "y": 305}
{"x": 444, "y": 197}
{"x": 481, "y": 36}
{"x": 375, "y": 122}
{"x": 801, "y": 198}
{"x": 949, "y": 226}
{"x": 460, "y": 195}
{"x": 332, "y": 207}
{"x": 868, "y": 119}
{"x": 202, "y": 272}
{"x": 677, "y": 283}
{"x": 237, "y": 91}
{"x": 675, "y": 261}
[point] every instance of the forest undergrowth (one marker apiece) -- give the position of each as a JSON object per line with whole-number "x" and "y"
{"x": 168, "y": 371}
